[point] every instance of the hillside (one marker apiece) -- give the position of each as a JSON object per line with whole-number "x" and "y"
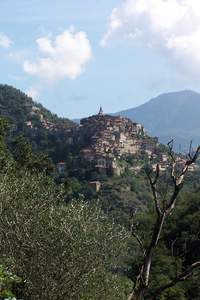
{"x": 19, "y": 108}
{"x": 172, "y": 115}
{"x": 46, "y": 131}
{"x": 66, "y": 225}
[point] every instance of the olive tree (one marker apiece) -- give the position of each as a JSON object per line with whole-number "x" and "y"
{"x": 59, "y": 251}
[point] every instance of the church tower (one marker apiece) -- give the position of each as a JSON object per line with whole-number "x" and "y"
{"x": 100, "y": 111}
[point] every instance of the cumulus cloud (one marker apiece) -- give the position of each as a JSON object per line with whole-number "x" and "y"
{"x": 65, "y": 56}
{"x": 33, "y": 93}
{"x": 170, "y": 25}
{"x": 5, "y": 41}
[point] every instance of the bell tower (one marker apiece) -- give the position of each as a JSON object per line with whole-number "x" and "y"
{"x": 100, "y": 111}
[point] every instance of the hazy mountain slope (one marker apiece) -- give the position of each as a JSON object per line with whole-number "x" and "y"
{"x": 17, "y": 107}
{"x": 46, "y": 131}
{"x": 172, "y": 115}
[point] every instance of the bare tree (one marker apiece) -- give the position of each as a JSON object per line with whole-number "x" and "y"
{"x": 164, "y": 208}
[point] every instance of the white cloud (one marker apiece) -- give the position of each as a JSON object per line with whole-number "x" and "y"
{"x": 5, "y": 41}
{"x": 17, "y": 56}
{"x": 62, "y": 57}
{"x": 169, "y": 25}
{"x": 33, "y": 93}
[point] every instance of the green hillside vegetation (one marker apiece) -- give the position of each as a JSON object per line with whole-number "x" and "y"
{"x": 60, "y": 239}
{"x": 54, "y": 248}
{"x": 18, "y": 108}
{"x": 175, "y": 248}
{"x": 62, "y": 252}
{"x": 121, "y": 196}
{"x": 49, "y": 246}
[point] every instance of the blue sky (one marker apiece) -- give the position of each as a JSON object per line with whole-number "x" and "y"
{"x": 74, "y": 56}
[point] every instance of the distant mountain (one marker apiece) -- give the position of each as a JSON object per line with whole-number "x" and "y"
{"x": 172, "y": 115}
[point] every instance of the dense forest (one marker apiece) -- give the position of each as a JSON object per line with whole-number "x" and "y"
{"x": 60, "y": 239}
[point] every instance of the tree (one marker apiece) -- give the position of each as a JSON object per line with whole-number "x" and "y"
{"x": 22, "y": 152}
{"x": 59, "y": 251}
{"x": 164, "y": 205}
{"x": 7, "y": 283}
{"x": 5, "y": 156}
{"x": 26, "y": 158}
{"x": 4, "y": 126}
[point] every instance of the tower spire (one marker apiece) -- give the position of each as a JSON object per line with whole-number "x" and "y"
{"x": 100, "y": 111}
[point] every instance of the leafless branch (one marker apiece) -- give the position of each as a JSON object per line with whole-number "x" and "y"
{"x": 181, "y": 277}
{"x": 138, "y": 239}
{"x": 153, "y": 184}
{"x": 162, "y": 214}
{"x": 133, "y": 229}
{"x": 190, "y": 150}
{"x": 178, "y": 179}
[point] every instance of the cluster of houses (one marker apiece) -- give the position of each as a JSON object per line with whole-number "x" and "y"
{"x": 164, "y": 164}
{"x": 35, "y": 111}
{"x": 105, "y": 139}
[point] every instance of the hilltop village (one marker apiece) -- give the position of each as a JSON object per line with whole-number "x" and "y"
{"x": 103, "y": 139}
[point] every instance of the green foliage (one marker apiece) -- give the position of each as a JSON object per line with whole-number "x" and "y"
{"x": 76, "y": 190}
{"x": 22, "y": 151}
{"x": 169, "y": 260}
{"x": 25, "y": 157}
{"x": 7, "y": 282}
{"x": 74, "y": 251}
{"x": 4, "y": 126}
{"x": 59, "y": 251}
{"x": 5, "y": 156}
{"x": 121, "y": 196}
{"x": 52, "y": 143}
{"x": 17, "y": 107}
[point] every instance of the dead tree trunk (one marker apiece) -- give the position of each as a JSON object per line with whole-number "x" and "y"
{"x": 163, "y": 210}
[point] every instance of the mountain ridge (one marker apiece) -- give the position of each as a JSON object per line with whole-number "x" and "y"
{"x": 170, "y": 115}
